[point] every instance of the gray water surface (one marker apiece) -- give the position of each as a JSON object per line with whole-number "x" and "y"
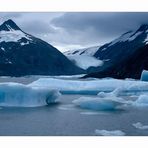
{"x": 65, "y": 119}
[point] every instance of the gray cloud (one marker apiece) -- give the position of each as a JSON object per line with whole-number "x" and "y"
{"x": 100, "y": 26}
{"x": 105, "y": 22}
{"x": 5, "y": 16}
{"x": 76, "y": 29}
{"x": 38, "y": 27}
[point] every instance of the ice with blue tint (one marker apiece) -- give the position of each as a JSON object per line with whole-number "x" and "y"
{"x": 47, "y": 90}
{"x": 144, "y": 75}
{"x": 15, "y": 94}
{"x": 99, "y": 103}
{"x": 142, "y": 101}
{"x": 109, "y": 133}
{"x": 140, "y": 126}
{"x": 90, "y": 86}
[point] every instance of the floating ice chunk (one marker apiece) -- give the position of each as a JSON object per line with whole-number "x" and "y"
{"x": 144, "y": 75}
{"x": 69, "y": 107}
{"x": 93, "y": 113}
{"x": 54, "y": 94}
{"x": 139, "y": 125}
{"x": 142, "y": 101}
{"x": 102, "y": 94}
{"x": 98, "y": 103}
{"x": 14, "y": 94}
{"x": 109, "y": 133}
{"x": 77, "y": 86}
{"x": 117, "y": 91}
{"x": 114, "y": 93}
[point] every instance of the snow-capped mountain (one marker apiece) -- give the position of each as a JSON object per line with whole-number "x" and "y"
{"x": 125, "y": 56}
{"x": 90, "y": 51}
{"x": 84, "y": 58}
{"x": 24, "y": 54}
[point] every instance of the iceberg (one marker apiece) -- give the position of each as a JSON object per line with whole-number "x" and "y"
{"x": 19, "y": 95}
{"x": 99, "y": 103}
{"x": 90, "y": 86}
{"x": 47, "y": 90}
{"x": 109, "y": 133}
{"x": 114, "y": 93}
{"x": 142, "y": 101}
{"x": 144, "y": 75}
{"x": 140, "y": 126}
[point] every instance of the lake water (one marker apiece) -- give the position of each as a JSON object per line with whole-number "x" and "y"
{"x": 65, "y": 119}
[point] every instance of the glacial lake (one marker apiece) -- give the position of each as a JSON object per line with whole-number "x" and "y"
{"x": 65, "y": 119}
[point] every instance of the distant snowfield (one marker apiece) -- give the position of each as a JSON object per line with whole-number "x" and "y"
{"x": 84, "y": 61}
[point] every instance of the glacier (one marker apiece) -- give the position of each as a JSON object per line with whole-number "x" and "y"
{"x": 19, "y": 95}
{"x": 84, "y": 61}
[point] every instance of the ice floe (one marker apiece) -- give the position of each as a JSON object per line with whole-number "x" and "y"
{"x": 142, "y": 101}
{"x": 91, "y": 86}
{"x": 140, "y": 126}
{"x": 114, "y": 93}
{"x": 144, "y": 75}
{"x": 98, "y": 103}
{"x": 109, "y": 133}
{"x": 19, "y": 95}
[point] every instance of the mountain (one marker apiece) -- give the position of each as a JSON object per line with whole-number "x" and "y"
{"x": 24, "y": 54}
{"x": 84, "y": 58}
{"x": 124, "y": 57}
{"x": 90, "y": 51}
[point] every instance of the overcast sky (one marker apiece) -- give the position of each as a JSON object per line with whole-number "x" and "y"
{"x": 76, "y": 30}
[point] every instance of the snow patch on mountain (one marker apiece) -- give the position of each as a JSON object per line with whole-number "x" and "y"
{"x": 85, "y": 51}
{"x": 129, "y": 36}
{"x": 133, "y": 37}
{"x": 3, "y": 49}
{"x": 122, "y": 38}
{"x": 13, "y": 36}
{"x": 22, "y": 43}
